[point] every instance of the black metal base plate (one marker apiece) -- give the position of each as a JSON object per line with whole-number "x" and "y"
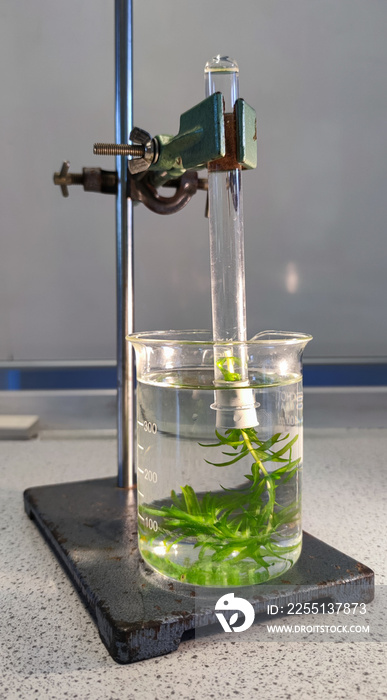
{"x": 92, "y": 528}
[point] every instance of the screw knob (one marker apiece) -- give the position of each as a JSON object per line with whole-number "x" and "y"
{"x": 64, "y": 178}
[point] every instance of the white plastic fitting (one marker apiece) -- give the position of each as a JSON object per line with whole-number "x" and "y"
{"x": 235, "y": 408}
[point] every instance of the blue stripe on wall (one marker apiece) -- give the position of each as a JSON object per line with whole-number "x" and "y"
{"x": 66, "y": 378}
{"x": 345, "y": 375}
{"x": 106, "y": 377}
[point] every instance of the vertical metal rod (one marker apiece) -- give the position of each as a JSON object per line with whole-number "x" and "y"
{"x": 124, "y": 246}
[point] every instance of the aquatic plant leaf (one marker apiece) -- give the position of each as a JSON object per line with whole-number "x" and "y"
{"x": 191, "y": 500}
{"x": 285, "y": 449}
{"x": 225, "y": 464}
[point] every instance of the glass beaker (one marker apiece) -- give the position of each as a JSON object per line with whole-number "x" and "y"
{"x": 219, "y": 501}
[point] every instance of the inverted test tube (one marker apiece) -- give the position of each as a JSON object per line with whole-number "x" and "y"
{"x": 235, "y": 407}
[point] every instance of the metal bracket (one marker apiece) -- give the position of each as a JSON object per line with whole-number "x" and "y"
{"x": 92, "y": 180}
{"x": 206, "y": 135}
{"x": 140, "y": 190}
{"x": 207, "y": 138}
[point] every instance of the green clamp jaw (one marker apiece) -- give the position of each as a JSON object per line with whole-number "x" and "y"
{"x": 202, "y": 140}
{"x": 208, "y": 138}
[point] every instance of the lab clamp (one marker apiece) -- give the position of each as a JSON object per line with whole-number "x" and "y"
{"x": 207, "y": 138}
{"x": 139, "y": 613}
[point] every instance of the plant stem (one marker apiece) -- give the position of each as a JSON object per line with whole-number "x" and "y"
{"x": 269, "y": 480}
{"x": 253, "y": 453}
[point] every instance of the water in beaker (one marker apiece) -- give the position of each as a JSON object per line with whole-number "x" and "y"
{"x": 218, "y": 506}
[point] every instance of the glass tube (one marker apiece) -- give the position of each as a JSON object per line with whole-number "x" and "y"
{"x": 227, "y": 260}
{"x": 226, "y": 222}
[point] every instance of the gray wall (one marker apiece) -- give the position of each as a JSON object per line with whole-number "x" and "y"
{"x": 315, "y": 209}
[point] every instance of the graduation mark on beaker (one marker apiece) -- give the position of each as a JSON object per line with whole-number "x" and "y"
{"x": 150, "y": 475}
{"x": 150, "y": 427}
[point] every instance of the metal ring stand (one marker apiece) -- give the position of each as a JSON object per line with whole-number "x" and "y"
{"x": 140, "y": 614}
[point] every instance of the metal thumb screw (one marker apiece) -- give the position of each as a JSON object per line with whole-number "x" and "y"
{"x": 143, "y": 152}
{"x": 64, "y": 178}
{"x": 118, "y": 149}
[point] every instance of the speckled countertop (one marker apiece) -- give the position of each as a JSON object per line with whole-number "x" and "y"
{"x": 50, "y": 647}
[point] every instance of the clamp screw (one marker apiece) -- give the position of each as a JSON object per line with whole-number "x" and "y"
{"x": 118, "y": 149}
{"x": 64, "y": 178}
{"x": 143, "y": 151}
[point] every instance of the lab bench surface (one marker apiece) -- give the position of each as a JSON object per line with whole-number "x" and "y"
{"x": 50, "y": 646}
